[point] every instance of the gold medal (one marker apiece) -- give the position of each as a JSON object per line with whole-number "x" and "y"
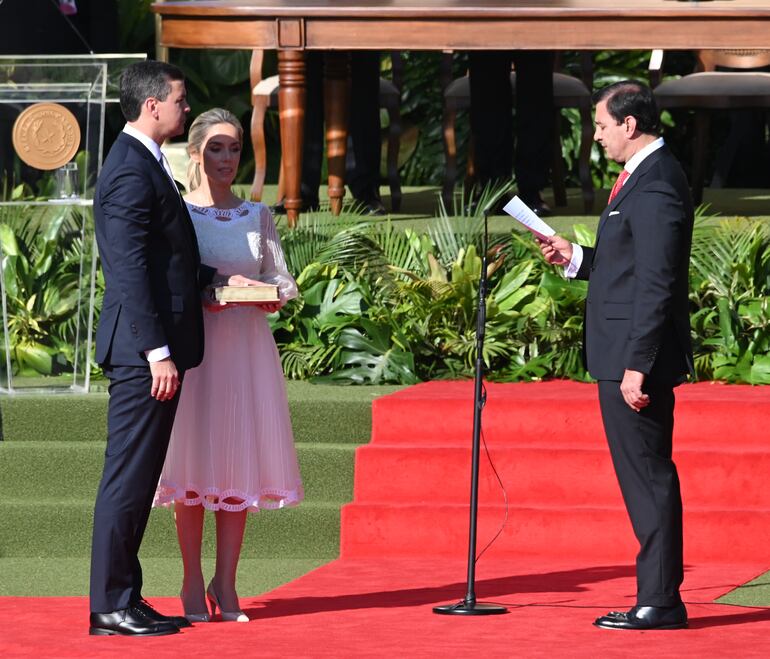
{"x": 46, "y": 135}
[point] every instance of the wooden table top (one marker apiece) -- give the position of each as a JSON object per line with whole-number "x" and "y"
{"x": 464, "y": 25}
{"x": 459, "y": 9}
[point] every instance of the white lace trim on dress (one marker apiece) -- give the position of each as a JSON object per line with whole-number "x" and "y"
{"x": 215, "y": 499}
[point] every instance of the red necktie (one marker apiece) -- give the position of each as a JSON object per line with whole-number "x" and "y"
{"x": 618, "y": 184}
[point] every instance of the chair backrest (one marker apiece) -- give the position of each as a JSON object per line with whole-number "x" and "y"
{"x": 709, "y": 60}
{"x": 586, "y": 64}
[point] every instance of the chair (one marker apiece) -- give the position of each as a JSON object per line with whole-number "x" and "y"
{"x": 708, "y": 90}
{"x": 264, "y": 96}
{"x": 568, "y": 91}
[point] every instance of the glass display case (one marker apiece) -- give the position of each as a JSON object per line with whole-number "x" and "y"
{"x": 52, "y": 127}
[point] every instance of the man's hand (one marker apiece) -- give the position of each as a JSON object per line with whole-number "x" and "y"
{"x": 556, "y": 250}
{"x": 165, "y": 379}
{"x": 631, "y": 388}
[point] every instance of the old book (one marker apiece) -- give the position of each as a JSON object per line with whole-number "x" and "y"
{"x": 230, "y": 294}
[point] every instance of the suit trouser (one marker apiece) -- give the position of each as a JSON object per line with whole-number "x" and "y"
{"x": 138, "y": 432}
{"x": 363, "y": 162}
{"x": 640, "y": 445}
{"x": 492, "y": 123}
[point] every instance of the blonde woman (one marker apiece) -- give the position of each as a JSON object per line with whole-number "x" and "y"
{"x": 232, "y": 448}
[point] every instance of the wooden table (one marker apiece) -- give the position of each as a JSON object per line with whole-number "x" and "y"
{"x": 293, "y": 26}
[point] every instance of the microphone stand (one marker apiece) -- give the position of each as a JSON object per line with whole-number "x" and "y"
{"x": 469, "y": 606}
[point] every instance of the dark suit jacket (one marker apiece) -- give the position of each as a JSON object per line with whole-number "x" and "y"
{"x": 637, "y": 306}
{"x": 149, "y": 255}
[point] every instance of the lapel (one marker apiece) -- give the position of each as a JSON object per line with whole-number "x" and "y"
{"x": 629, "y": 186}
{"x": 155, "y": 164}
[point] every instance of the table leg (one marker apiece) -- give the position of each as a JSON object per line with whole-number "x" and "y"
{"x": 336, "y": 104}
{"x": 291, "y": 113}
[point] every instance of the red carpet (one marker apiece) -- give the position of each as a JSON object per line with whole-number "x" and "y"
{"x": 565, "y": 556}
{"x": 382, "y": 608}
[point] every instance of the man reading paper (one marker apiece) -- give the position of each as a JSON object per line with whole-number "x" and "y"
{"x": 637, "y": 337}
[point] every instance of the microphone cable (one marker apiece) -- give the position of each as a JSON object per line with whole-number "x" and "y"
{"x": 499, "y": 480}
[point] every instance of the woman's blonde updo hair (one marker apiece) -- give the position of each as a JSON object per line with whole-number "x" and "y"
{"x": 197, "y": 136}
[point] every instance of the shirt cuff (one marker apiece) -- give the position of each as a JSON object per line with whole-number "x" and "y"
{"x": 571, "y": 269}
{"x": 156, "y": 354}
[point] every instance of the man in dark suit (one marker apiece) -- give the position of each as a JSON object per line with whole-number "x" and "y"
{"x": 150, "y": 332}
{"x": 637, "y": 337}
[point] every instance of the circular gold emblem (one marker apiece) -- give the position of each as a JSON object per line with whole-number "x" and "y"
{"x": 46, "y": 135}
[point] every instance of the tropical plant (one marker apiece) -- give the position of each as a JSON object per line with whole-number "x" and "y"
{"x": 730, "y": 284}
{"x": 40, "y": 262}
{"x": 380, "y": 304}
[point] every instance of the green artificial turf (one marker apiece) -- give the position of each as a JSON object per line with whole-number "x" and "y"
{"x": 44, "y": 577}
{"x": 420, "y": 203}
{"x": 319, "y": 413}
{"x": 754, "y": 593}
{"x": 32, "y": 529}
{"x": 50, "y": 464}
{"x": 65, "y": 471}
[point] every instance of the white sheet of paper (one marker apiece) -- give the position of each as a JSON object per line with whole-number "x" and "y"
{"x": 518, "y": 210}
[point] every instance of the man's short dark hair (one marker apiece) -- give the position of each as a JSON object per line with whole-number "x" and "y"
{"x": 631, "y": 98}
{"x": 143, "y": 80}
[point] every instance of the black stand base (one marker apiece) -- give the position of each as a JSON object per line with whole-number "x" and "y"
{"x": 470, "y": 609}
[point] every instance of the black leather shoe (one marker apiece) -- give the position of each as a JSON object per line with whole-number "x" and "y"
{"x": 145, "y": 607}
{"x": 541, "y": 209}
{"x": 646, "y": 617}
{"x": 372, "y": 207}
{"x": 279, "y": 208}
{"x": 538, "y": 206}
{"x": 128, "y": 622}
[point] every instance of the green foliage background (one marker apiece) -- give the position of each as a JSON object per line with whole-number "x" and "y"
{"x": 382, "y": 304}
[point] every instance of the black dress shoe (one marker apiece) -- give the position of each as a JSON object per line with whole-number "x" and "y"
{"x": 145, "y": 607}
{"x": 646, "y": 617}
{"x": 311, "y": 205}
{"x": 372, "y": 207}
{"x": 536, "y": 203}
{"x": 542, "y": 209}
{"x": 128, "y": 622}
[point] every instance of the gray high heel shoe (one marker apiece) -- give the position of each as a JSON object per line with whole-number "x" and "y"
{"x": 227, "y": 616}
{"x": 195, "y": 617}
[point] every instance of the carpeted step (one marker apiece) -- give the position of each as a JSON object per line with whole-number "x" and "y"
{"x": 55, "y": 529}
{"x": 726, "y": 479}
{"x": 56, "y": 471}
{"x": 602, "y": 533}
{"x": 560, "y": 413}
{"x": 412, "y": 481}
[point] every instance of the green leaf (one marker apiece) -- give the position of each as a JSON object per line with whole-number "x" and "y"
{"x": 35, "y": 356}
{"x": 726, "y": 321}
{"x": 760, "y": 370}
{"x": 9, "y": 246}
{"x": 340, "y": 301}
{"x": 584, "y": 235}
